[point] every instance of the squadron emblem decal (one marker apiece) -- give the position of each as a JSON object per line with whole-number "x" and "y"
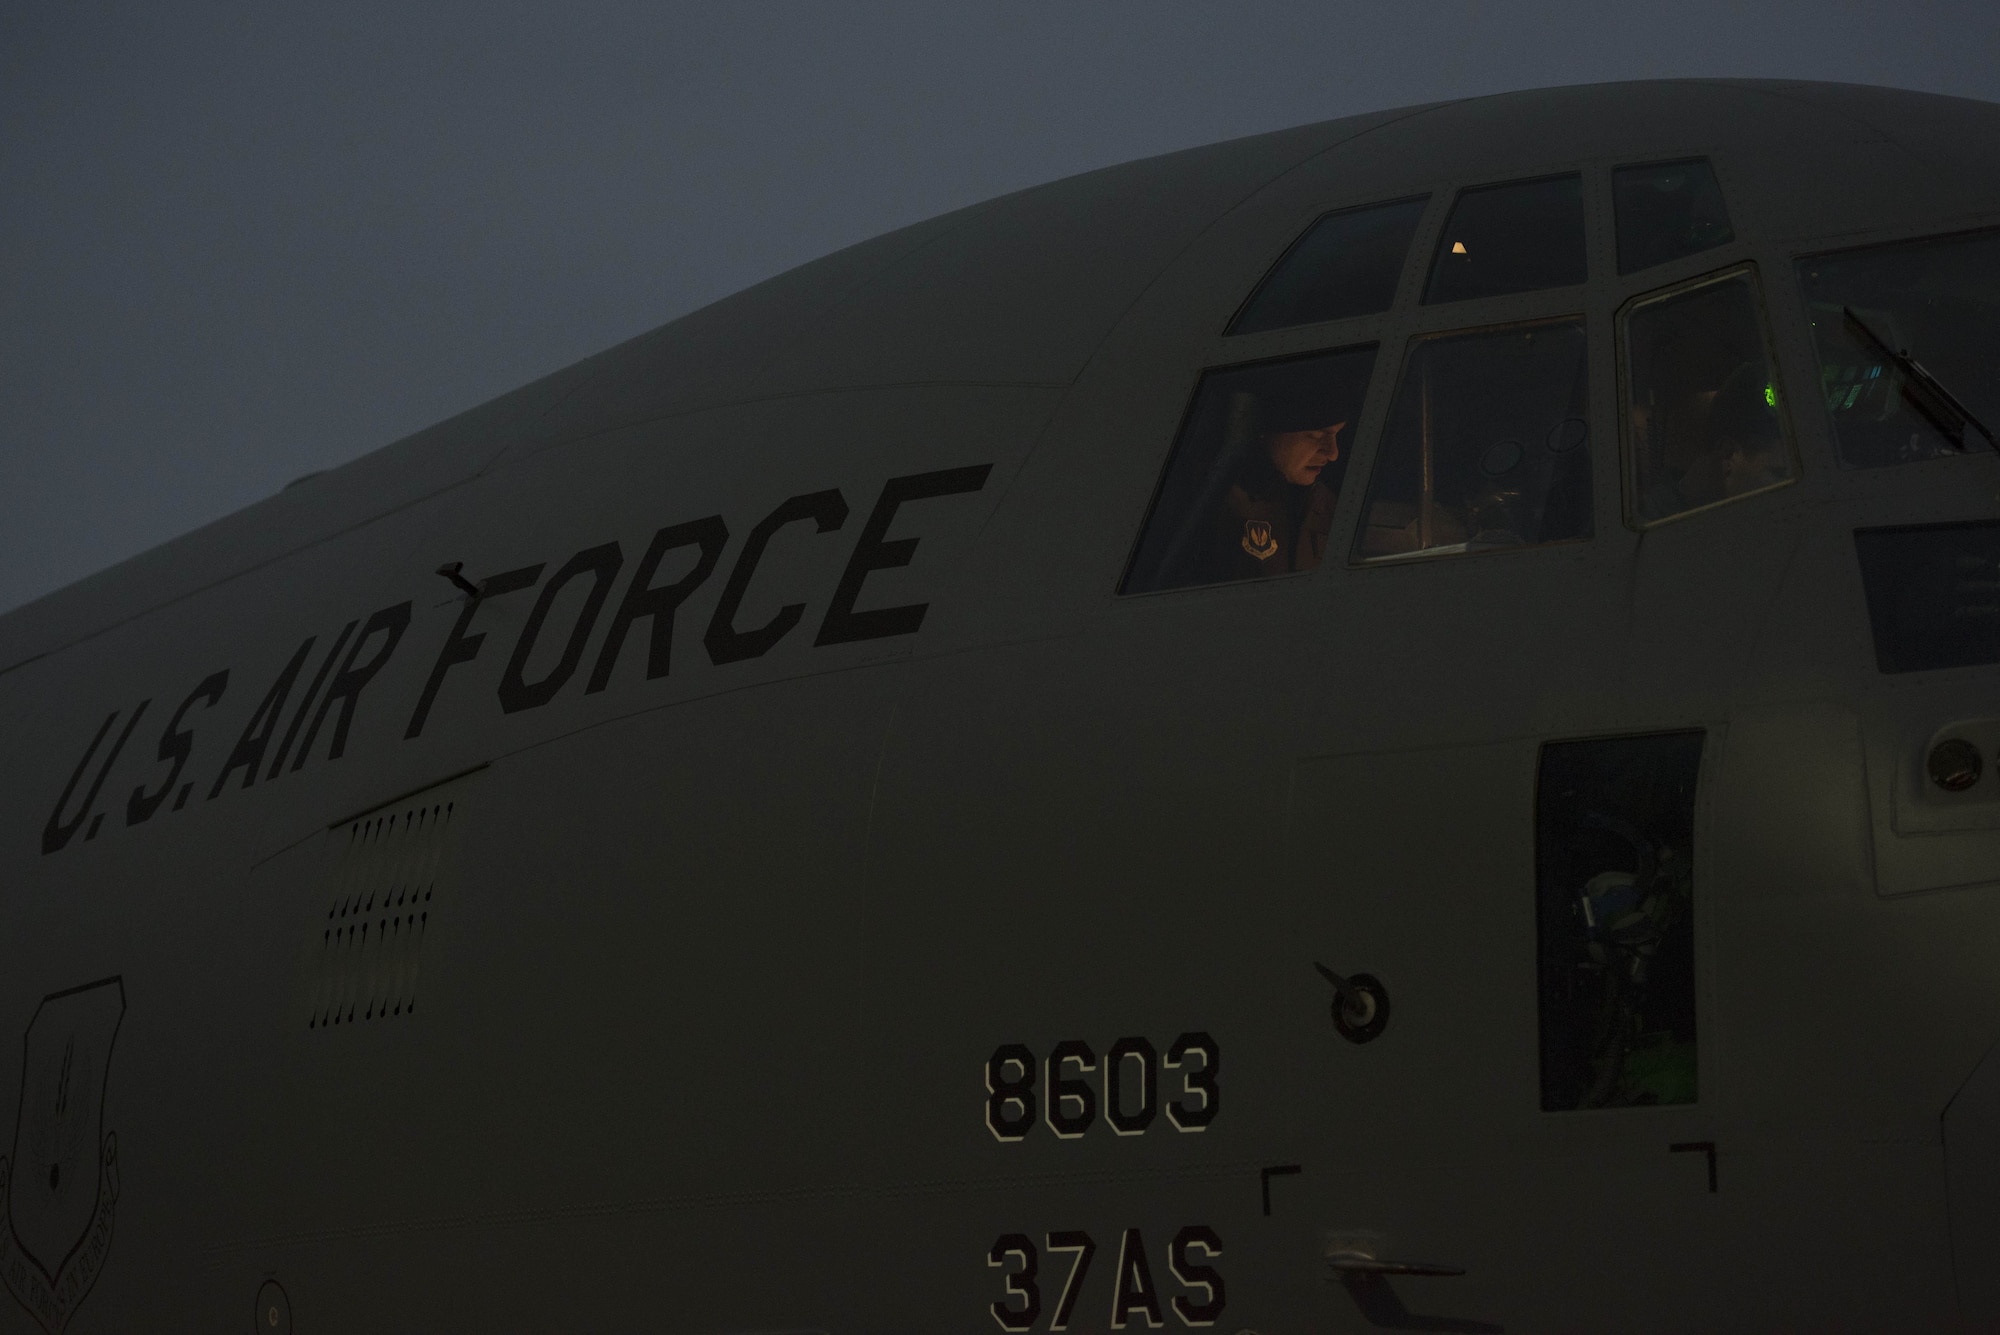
{"x": 61, "y": 1183}
{"x": 1257, "y": 539}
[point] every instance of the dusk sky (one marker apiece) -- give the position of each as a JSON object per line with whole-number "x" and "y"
{"x": 243, "y": 242}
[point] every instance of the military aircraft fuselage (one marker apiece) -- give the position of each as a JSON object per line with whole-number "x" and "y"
{"x": 1389, "y": 724}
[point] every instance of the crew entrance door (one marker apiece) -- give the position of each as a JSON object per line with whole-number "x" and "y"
{"x": 1417, "y": 868}
{"x": 1527, "y": 907}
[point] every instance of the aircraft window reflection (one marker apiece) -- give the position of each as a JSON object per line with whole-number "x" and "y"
{"x": 1510, "y": 238}
{"x": 1614, "y": 920}
{"x": 1938, "y": 301}
{"x": 1486, "y": 446}
{"x": 1702, "y": 414}
{"x": 1346, "y": 264}
{"x": 1667, "y": 210}
{"x": 1250, "y": 488}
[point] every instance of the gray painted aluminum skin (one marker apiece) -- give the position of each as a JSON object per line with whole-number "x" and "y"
{"x": 694, "y": 979}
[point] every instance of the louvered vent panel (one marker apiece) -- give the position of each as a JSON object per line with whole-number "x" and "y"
{"x": 380, "y": 899}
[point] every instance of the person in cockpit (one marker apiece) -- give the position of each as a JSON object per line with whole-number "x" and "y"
{"x": 1728, "y": 445}
{"x": 1274, "y": 518}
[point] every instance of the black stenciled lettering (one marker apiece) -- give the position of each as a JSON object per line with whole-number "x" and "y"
{"x": 727, "y": 644}
{"x": 58, "y": 832}
{"x": 1080, "y": 1243}
{"x": 306, "y": 702}
{"x": 1131, "y": 1123}
{"x": 1194, "y": 1275}
{"x": 1020, "y": 1283}
{"x": 1015, "y": 1092}
{"x": 462, "y": 648}
{"x": 1063, "y": 1090}
{"x": 248, "y": 753}
{"x": 176, "y": 745}
{"x": 1134, "y": 1292}
{"x": 601, "y": 563}
{"x": 389, "y": 623}
{"x": 1201, "y": 1080}
{"x": 842, "y": 623}
{"x": 641, "y": 599}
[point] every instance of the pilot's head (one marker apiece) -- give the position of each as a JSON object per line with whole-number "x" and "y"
{"x": 1743, "y": 446}
{"x": 1300, "y": 456}
{"x": 1300, "y": 440}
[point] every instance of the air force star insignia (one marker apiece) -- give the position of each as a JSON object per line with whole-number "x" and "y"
{"x": 1257, "y": 539}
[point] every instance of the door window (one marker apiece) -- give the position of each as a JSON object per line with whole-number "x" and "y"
{"x": 1614, "y": 920}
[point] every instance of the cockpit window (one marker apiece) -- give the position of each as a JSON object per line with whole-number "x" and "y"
{"x": 1510, "y": 238}
{"x": 1667, "y": 210}
{"x": 1250, "y": 488}
{"x": 1346, "y": 264}
{"x": 1935, "y": 302}
{"x": 1703, "y": 422}
{"x": 1485, "y": 447}
{"x": 1614, "y": 919}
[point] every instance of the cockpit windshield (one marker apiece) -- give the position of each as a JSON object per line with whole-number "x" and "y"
{"x": 1485, "y": 446}
{"x": 1346, "y": 264}
{"x": 1524, "y": 236}
{"x": 1704, "y": 422}
{"x": 1935, "y": 303}
{"x": 1250, "y": 488}
{"x": 1667, "y": 210}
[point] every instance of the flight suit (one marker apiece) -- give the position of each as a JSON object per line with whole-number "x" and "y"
{"x": 1267, "y": 526}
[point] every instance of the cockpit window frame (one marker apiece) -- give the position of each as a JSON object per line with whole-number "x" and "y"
{"x": 1426, "y": 198}
{"x": 1985, "y": 223}
{"x": 1413, "y": 337}
{"x": 1618, "y": 234}
{"x": 1408, "y": 317}
{"x": 1583, "y": 175}
{"x": 1190, "y": 400}
{"x": 1628, "y": 455}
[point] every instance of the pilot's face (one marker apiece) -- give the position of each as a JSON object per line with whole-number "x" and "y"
{"x": 1751, "y": 465}
{"x": 1300, "y": 455}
